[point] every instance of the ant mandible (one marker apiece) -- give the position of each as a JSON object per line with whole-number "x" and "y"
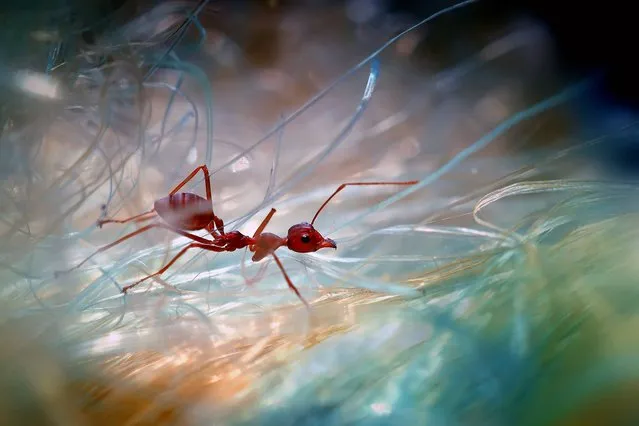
{"x": 183, "y": 211}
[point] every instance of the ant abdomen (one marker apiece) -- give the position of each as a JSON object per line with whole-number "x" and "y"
{"x": 185, "y": 210}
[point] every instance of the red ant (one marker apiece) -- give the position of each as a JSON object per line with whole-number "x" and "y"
{"x": 184, "y": 211}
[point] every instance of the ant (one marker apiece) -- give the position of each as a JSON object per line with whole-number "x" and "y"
{"x": 181, "y": 212}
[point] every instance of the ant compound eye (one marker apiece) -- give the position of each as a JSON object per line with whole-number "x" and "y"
{"x": 302, "y": 238}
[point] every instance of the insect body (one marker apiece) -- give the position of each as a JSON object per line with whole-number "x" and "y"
{"x": 183, "y": 213}
{"x": 186, "y": 211}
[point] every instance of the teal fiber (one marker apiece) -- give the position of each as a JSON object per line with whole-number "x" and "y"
{"x": 329, "y": 88}
{"x": 475, "y": 373}
{"x": 203, "y": 80}
{"x": 312, "y": 164}
{"x": 338, "y": 140}
{"x": 169, "y": 107}
{"x": 181, "y": 32}
{"x": 485, "y": 140}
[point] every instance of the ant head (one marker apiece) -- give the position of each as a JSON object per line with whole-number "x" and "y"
{"x": 303, "y": 238}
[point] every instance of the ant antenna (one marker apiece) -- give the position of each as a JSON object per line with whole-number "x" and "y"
{"x": 344, "y": 185}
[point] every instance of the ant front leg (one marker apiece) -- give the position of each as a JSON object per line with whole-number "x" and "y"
{"x": 256, "y": 278}
{"x": 289, "y": 282}
{"x": 271, "y": 251}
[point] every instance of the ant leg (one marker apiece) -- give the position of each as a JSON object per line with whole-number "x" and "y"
{"x": 265, "y": 222}
{"x": 138, "y": 232}
{"x": 289, "y": 282}
{"x": 207, "y": 183}
{"x": 262, "y": 248}
{"x": 344, "y": 185}
{"x": 219, "y": 223}
{"x": 162, "y": 270}
{"x": 143, "y": 217}
{"x": 257, "y": 277}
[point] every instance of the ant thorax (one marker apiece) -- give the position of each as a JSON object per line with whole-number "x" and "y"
{"x": 265, "y": 244}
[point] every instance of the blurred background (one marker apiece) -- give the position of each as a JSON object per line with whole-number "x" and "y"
{"x": 106, "y": 105}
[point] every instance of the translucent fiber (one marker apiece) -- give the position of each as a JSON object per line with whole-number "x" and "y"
{"x": 484, "y": 295}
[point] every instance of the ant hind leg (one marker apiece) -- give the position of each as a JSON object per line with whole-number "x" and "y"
{"x": 181, "y": 253}
{"x": 210, "y": 244}
{"x": 219, "y": 223}
{"x": 143, "y": 217}
{"x": 207, "y": 181}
